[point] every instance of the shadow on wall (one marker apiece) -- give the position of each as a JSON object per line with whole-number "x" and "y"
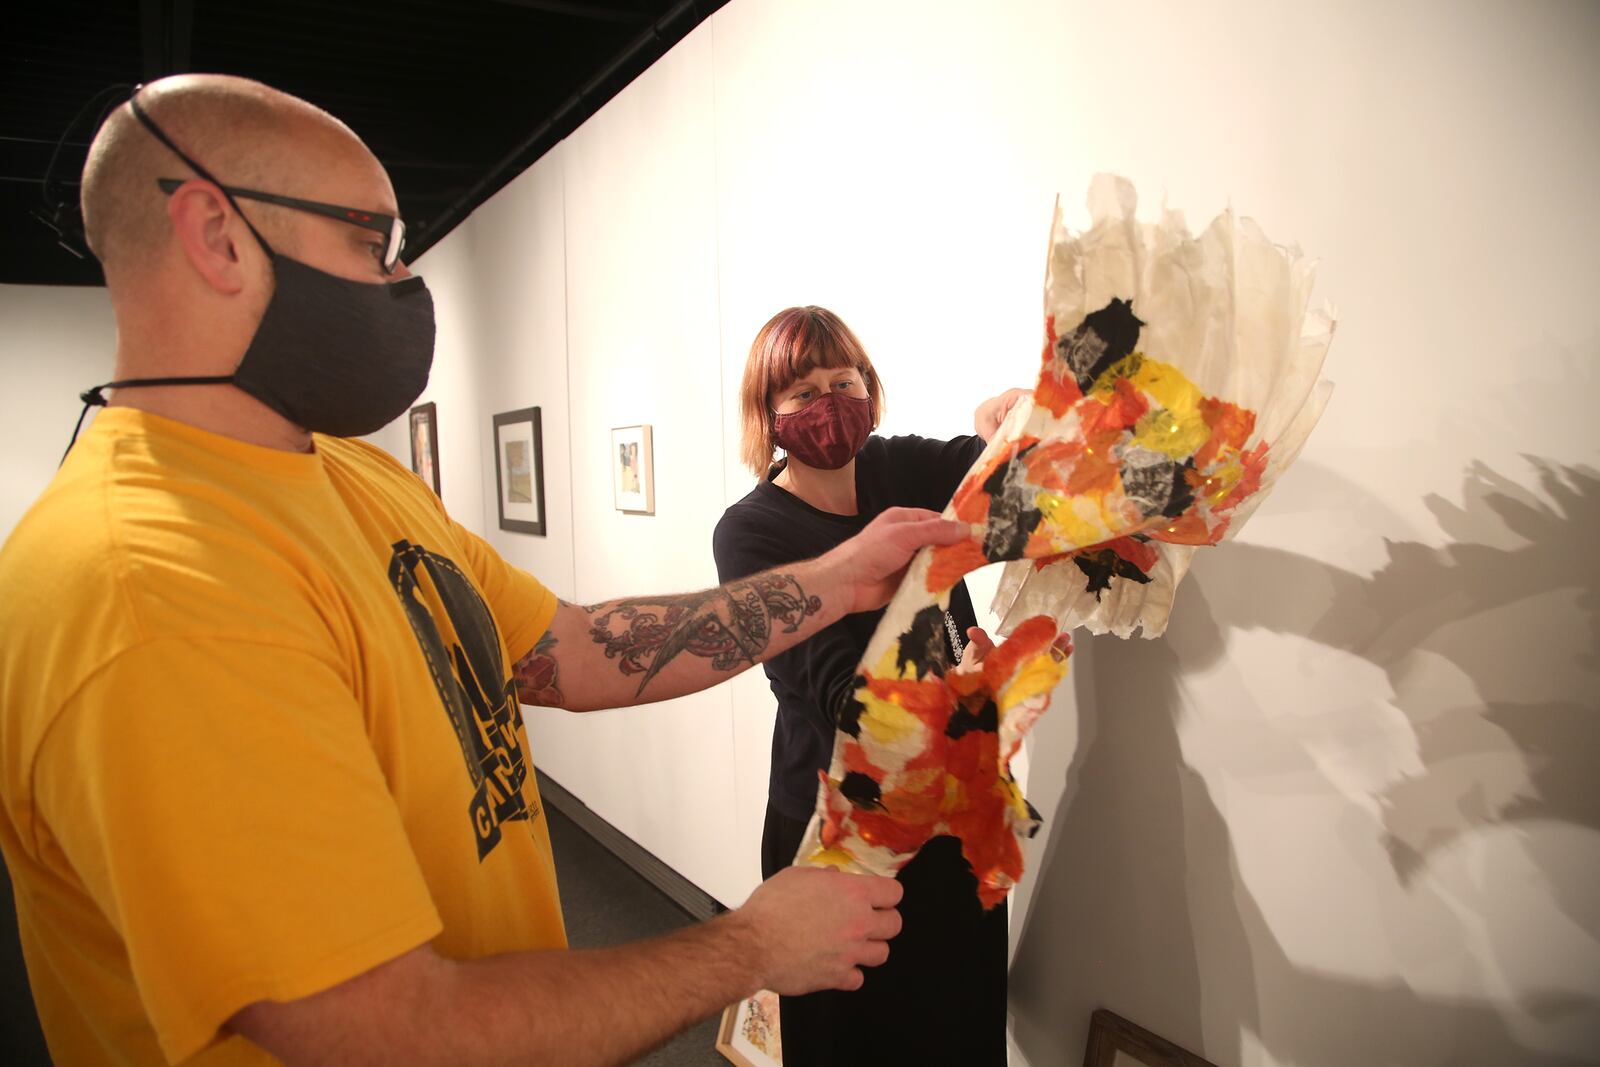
{"x": 1140, "y": 905}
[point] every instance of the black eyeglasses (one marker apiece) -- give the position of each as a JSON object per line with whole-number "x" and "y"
{"x": 392, "y": 228}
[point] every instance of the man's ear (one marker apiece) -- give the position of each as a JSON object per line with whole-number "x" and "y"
{"x": 207, "y": 229}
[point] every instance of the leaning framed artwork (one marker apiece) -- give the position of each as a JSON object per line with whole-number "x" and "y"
{"x": 1117, "y": 1042}
{"x": 425, "y": 444}
{"x": 633, "y": 470}
{"x": 519, "y": 471}
{"x": 748, "y": 1036}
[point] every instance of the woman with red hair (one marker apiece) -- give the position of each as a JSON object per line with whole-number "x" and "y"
{"x": 810, "y": 389}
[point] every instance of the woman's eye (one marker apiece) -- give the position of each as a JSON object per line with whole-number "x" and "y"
{"x": 376, "y": 248}
{"x": 802, "y": 394}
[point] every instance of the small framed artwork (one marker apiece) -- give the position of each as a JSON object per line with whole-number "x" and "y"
{"x": 748, "y": 1036}
{"x": 425, "y": 444}
{"x": 1116, "y": 1042}
{"x": 633, "y": 479}
{"x": 519, "y": 470}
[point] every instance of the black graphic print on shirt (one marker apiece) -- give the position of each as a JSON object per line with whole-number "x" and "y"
{"x": 477, "y": 691}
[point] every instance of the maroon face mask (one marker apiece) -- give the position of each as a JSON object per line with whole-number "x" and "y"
{"x": 826, "y": 433}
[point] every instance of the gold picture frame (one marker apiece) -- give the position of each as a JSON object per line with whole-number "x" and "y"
{"x": 1118, "y": 1042}
{"x": 633, "y": 475}
{"x": 749, "y": 1035}
{"x": 425, "y": 444}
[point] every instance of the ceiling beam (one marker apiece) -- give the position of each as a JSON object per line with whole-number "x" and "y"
{"x": 581, "y": 11}
{"x": 166, "y": 30}
{"x": 651, "y": 44}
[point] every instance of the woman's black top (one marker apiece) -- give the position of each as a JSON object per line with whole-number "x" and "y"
{"x": 771, "y": 527}
{"x": 941, "y": 997}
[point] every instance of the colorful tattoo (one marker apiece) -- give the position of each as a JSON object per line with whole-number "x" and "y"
{"x": 730, "y": 625}
{"x": 537, "y": 675}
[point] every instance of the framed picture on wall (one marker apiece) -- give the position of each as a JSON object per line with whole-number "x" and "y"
{"x": 519, "y": 471}
{"x": 749, "y": 1034}
{"x": 633, "y": 479}
{"x": 1116, "y": 1042}
{"x": 425, "y": 444}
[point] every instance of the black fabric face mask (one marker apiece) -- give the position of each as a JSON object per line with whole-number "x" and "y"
{"x": 335, "y": 356}
{"x": 331, "y": 355}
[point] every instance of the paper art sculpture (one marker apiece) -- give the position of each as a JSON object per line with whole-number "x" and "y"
{"x": 1179, "y": 379}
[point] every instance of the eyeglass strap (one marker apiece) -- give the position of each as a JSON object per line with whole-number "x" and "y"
{"x": 160, "y": 135}
{"x": 95, "y": 397}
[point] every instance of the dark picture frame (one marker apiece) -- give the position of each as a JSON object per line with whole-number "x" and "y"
{"x": 424, "y": 425}
{"x": 1110, "y": 1034}
{"x": 519, "y": 471}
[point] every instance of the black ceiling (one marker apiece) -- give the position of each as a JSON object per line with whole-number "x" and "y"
{"x": 456, "y": 97}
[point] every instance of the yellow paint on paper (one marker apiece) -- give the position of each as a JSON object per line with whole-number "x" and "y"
{"x": 1165, "y": 383}
{"x": 1221, "y": 479}
{"x": 1173, "y": 434}
{"x": 1126, "y": 367}
{"x": 885, "y": 720}
{"x": 1072, "y": 528}
{"x": 1038, "y": 675}
{"x": 1014, "y": 800}
{"x": 832, "y": 857}
{"x": 889, "y": 668}
{"x": 955, "y": 795}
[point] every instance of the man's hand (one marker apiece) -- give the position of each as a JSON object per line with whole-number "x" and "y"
{"x": 869, "y": 566}
{"x": 817, "y": 928}
{"x": 802, "y": 930}
{"x": 992, "y": 412}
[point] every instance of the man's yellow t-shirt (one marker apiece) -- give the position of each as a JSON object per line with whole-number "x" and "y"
{"x": 257, "y": 735}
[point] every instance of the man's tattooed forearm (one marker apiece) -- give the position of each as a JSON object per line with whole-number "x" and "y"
{"x": 537, "y": 676}
{"x": 731, "y": 625}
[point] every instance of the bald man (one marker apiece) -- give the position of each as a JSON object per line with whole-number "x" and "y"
{"x": 266, "y": 788}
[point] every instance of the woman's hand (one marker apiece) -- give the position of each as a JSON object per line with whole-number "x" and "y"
{"x": 979, "y": 645}
{"x": 992, "y": 412}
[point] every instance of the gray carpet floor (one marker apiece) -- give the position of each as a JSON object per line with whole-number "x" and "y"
{"x": 606, "y": 903}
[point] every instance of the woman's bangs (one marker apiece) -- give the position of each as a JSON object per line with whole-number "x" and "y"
{"x": 819, "y": 350}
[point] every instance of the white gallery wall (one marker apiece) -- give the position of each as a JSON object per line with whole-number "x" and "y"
{"x": 460, "y": 338}
{"x": 1345, "y": 812}
{"x": 55, "y": 342}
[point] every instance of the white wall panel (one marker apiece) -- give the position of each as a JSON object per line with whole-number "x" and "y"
{"x": 642, "y": 346}
{"x": 876, "y": 180}
{"x": 519, "y": 297}
{"x": 449, "y": 270}
{"x": 839, "y": 167}
{"x": 55, "y": 342}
